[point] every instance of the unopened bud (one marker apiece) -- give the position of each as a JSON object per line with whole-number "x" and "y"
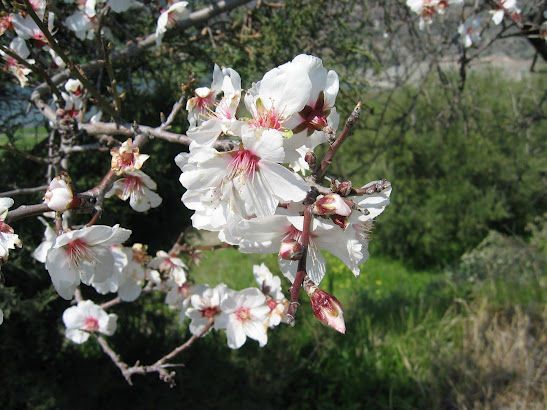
{"x": 311, "y": 159}
{"x": 326, "y": 308}
{"x": 342, "y": 188}
{"x": 59, "y": 195}
{"x": 291, "y": 250}
{"x": 331, "y": 204}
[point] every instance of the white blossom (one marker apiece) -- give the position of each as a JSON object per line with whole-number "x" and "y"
{"x": 168, "y": 18}
{"x": 244, "y": 314}
{"x": 83, "y": 255}
{"x": 205, "y": 306}
{"x": 245, "y": 182}
{"x": 138, "y": 187}
{"x": 20, "y": 72}
{"x": 174, "y": 268}
{"x": 86, "y": 318}
{"x": 470, "y": 31}
{"x": 8, "y": 239}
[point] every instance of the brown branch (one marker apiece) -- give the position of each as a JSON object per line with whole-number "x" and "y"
{"x": 23, "y": 191}
{"x": 159, "y": 366}
{"x": 371, "y": 188}
{"x": 301, "y": 270}
{"x": 74, "y": 69}
{"x": 111, "y": 128}
{"x": 333, "y": 148}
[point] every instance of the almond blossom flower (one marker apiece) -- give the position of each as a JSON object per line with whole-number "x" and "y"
{"x": 266, "y": 235}
{"x": 271, "y": 287}
{"x": 81, "y": 24}
{"x": 504, "y": 7}
{"x": 8, "y": 239}
{"x": 244, "y": 314}
{"x": 20, "y": 72}
{"x": 426, "y": 9}
{"x": 138, "y": 187}
{"x": 208, "y": 118}
{"x": 470, "y": 31}
{"x": 83, "y": 255}
{"x": 168, "y": 18}
{"x": 171, "y": 266}
{"x": 59, "y": 195}
{"x": 40, "y": 253}
{"x": 5, "y": 23}
{"x": 74, "y": 87}
{"x": 130, "y": 269}
{"x": 86, "y": 318}
{"x": 205, "y": 306}
{"x": 27, "y": 29}
{"x": 127, "y": 158}
{"x": 245, "y": 182}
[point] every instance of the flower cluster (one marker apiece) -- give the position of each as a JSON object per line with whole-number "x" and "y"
{"x": 470, "y": 29}
{"x": 254, "y": 195}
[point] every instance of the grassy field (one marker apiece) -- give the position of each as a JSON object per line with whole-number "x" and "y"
{"x": 24, "y": 138}
{"x": 415, "y": 339}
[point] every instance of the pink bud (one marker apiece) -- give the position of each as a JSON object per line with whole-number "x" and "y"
{"x": 326, "y": 308}
{"x": 291, "y": 250}
{"x": 331, "y": 204}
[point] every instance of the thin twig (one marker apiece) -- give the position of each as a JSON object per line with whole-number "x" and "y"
{"x": 327, "y": 159}
{"x": 24, "y": 191}
{"x": 301, "y": 270}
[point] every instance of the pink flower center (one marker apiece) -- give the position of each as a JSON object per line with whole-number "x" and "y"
{"x": 243, "y": 162}
{"x": 210, "y": 312}
{"x": 243, "y": 314}
{"x": 78, "y": 250}
{"x": 127, "y": 159}
{"x": 268, "y": 119}
{"x": 40, "y": 39}
{"x": 272, "y": 304}
{"x": 91, "y": 324}
{"x": 131, "y": 184}
{"x": 5, "y": 228}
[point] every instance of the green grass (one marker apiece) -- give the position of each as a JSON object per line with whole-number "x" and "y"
{"x": 25, "y": 138}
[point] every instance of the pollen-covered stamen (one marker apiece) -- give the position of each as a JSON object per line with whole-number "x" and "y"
{"x": 5, "y": 228}
{"x": 78, "y": 251}
{"x": 272, "y": 304}
{"x": 210, "y": 312}
{"x": 132, "y": 184}
{"x": 268, "y": 119}
{"x": 243, "y": 162}
{"x": 91, "y": 324}
{"x": 243, "y": 314}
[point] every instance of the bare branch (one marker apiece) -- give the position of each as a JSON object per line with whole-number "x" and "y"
{"x": 24, "y": 191}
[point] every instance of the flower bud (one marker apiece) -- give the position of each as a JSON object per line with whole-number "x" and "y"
{"x": 291, "y": 250}
{"x": 326, "y": 308}
{"x": 331, "y": 204}
{"x": 59, "y": 195}
{"x": 342, "y": 188}
{"x": 311, "y": 159}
